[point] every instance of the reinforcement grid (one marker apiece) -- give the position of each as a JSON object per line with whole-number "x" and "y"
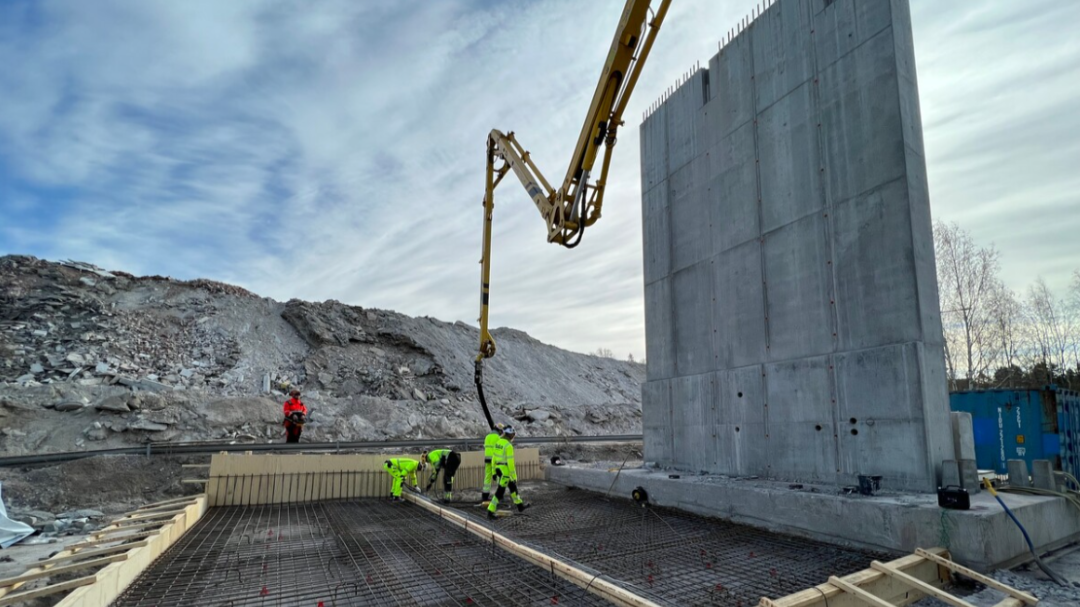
{"x": 677, "y": 557}
{"x": 330, "y": 554}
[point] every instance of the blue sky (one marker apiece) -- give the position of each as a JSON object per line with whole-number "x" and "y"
{"x": 334, "y": 150}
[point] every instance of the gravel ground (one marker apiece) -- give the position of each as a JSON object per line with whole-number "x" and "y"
{"x": 1028, "y": 578}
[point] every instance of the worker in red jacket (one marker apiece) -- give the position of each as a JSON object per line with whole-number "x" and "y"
{"x": 295, "y": 417}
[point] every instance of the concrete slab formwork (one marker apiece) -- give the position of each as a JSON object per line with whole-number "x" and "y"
{"x": 792, "y": 321}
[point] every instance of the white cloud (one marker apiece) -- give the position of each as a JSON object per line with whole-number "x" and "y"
{"x": 335, "y": 149}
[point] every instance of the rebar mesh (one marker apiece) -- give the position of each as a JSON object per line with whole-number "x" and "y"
{"x": 330, "y": 554}
{"x": 675, "y": 556}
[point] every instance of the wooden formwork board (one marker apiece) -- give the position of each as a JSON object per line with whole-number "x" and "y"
{"x": 122, "y": 563}
{"x": 253, "y": 479}
{"x": 896, "y": 583}
{"x": 890, "y": 589}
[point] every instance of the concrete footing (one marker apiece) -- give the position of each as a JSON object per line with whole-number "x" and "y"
{"x": 982, "y": 538}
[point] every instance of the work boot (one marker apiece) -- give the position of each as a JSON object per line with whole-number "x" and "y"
{"x": 445, "y": 500}
{"x": 522, "y": 506}
{"x": 397, "y": 499}
{"x": 485, "y": 497}
{"x": 492, "y": 516}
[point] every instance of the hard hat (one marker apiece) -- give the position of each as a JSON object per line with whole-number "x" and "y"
{"x": 500, "y": 426}
{"x": 509, "y": 431}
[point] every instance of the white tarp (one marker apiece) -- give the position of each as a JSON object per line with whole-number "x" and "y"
{"x": 11, "y": 531}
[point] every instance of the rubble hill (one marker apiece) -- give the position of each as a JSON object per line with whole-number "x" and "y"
{"x": 92, "y": 359}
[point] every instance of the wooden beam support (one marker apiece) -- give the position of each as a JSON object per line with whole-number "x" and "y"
{"x": 116, "y": 577}
{"x": 139, "y": 517}
{"x": 26, "y": 577}
{"x": 126, "y": 528}
{"x": 186, "y": 498}
{"x": 919, "y": 584}
{"x": 121, "y": 564}
{"x": 19, "y": 597}
{"x": 594, "y": 584}
{"x": 978, "y": 577}
{"x": 111, "y": 540}
{"x": 861, "y": 594}
{"x": 872, "y": 581}
{"x": 89, "y": 553}
{"x": 163, "y": 507}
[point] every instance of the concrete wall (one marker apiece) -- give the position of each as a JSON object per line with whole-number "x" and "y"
{"x": 792, "y": 319}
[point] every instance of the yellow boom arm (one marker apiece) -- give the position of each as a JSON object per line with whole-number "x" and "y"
{"x": 576, "y": 204}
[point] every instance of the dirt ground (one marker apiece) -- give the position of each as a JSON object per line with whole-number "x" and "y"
{"x": 111, "y": 484}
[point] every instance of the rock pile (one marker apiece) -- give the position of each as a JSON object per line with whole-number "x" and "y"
{"x": 59, "y": 324}
{"x": 93, "y": 356}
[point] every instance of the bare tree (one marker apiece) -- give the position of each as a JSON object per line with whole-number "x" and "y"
{"x": 1073, "y": 304}
{"x": 1054, "y": 328}
{"x": 630, "y": 357}
{"x": 1007, "y": 325}
{"x": 1008, "y": 332}
{"x": 604, "y": 353}
{"x": 967, "y": 281}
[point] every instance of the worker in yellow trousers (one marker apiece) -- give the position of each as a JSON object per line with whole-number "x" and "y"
{"x": 503, "y": 462}
{"x": 489, "y": 450}
{"x": 401, "y": 468}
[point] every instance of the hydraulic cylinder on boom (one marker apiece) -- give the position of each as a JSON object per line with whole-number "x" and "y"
{"x": 576, "y": 203}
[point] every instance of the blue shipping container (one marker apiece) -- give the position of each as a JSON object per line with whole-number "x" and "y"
{"x": 1019, "y": 424}
{"x": 1068, "y": 402}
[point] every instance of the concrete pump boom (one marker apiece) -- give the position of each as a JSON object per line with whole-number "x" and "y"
{"x": 576, "y": 204}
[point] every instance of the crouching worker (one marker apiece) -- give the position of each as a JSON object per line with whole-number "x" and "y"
{"x": 446, "y": 460}
{"x": 400, "y": 468}
{"x": 295, "y": 417}
{"x": 505, "y": 472}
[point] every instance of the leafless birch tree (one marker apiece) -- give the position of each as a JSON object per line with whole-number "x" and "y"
{"x": 967, "y": 283}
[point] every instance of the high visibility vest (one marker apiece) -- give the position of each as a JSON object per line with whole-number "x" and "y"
{"x": 293, "y": 405}
{"x": 489, "y": 444}
{"x": 436, "y": 456}
{"x": 403, "y": 466}
{"x": 503, "y": 458}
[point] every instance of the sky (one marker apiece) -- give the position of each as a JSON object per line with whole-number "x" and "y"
{"x": 335, "y": 150}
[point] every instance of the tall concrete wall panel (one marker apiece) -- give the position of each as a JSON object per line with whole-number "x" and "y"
{"x": 792, "y": 323}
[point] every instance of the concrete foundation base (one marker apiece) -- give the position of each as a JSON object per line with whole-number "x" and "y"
{"x": 982, "y": 538}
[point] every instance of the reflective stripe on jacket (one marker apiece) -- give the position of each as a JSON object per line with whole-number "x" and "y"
{"x": 503, "y": 458}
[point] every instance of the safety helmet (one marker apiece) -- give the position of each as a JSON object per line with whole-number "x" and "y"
{"x": 509, "y": 431}
{"x": 500, "y": 426}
